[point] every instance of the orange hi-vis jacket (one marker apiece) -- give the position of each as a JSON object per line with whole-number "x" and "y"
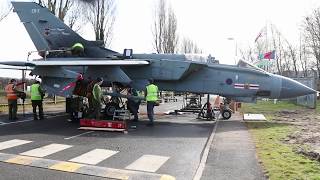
{"x": 11, "y": 94}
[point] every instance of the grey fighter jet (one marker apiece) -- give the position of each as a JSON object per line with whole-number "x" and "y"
{"x": 171, "y": 72}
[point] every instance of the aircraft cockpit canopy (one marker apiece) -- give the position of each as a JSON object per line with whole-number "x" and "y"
{"x": 201, "y": 58}
{"x": 245, "y": 64}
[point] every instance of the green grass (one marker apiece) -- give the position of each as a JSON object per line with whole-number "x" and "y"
{"x": 278, "y": 158}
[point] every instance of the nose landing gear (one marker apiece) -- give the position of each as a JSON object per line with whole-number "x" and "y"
{"x": 210, "y": 113}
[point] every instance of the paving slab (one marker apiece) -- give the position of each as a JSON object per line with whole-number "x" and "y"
{"x": 254, "y": 117}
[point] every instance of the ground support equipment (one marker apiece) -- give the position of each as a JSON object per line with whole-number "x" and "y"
{"x": 118, "y": 123}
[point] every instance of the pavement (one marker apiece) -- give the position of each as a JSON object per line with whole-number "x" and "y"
{"x": 232, "y": 154}
{"x": 175, "y": 148}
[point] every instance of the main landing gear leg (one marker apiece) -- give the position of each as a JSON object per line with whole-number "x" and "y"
{"x": 206, "y": 111}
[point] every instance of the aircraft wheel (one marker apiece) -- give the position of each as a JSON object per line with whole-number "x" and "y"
{"x": 110, "y": 108}
{"x": 226, "y": 114}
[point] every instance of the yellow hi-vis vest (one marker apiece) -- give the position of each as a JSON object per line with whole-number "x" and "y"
{"x": 152, "y": 92}
{"x": 35, "y": 94}
{"x": 97, "y": 94}
{"x": 77, "y": 45}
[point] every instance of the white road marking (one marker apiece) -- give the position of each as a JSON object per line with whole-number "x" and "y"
{"x": 94, "y": 157}
{"x": 205, "y": 154}
{"x": 148, "y": 163}
{"x": 12, "y": 143}
{"x": 79, "y": 135}
{"x": 28, "y": 119}
{"x": 46, "y": 150}
{"x": 16, "y": 122}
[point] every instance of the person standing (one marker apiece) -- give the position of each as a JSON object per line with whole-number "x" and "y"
{"x": 89, "y": 94}
{"x": 97, "y": 97}
{"x": 37, "y": 94}
{"x": 151, "y": 96}
{"x": 133, "y": 103}
{"x": 12, "y": 99}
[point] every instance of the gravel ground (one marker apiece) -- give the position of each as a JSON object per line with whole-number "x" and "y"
{"x": 307, "y": 135}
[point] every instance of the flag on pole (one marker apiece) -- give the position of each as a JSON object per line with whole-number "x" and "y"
{"x": 262, "y": 31}
{"x": 259, "y": 35}
{"x": 270, "y": 55}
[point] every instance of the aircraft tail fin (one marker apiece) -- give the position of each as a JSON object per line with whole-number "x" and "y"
{"x": 45, "y": 30}
{"x": 48, "y": 32}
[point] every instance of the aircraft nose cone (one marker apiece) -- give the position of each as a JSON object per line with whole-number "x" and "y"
{"x": 291, "y": 88}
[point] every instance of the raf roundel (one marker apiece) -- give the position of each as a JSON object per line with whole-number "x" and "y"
{"x": 229, "y": 81}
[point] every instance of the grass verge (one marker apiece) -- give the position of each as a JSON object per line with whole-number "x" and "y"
{"x": 278, "y": 158}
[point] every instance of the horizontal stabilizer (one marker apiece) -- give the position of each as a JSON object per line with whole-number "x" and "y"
{"x": 76, "y": 63}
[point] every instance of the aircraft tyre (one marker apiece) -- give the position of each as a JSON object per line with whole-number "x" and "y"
{"x": 226, "y": 114}
{"x": 110, "y": 108}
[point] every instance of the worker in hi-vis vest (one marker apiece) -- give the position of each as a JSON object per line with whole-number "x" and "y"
{"x": 12, "y": 99}
{"x": 77, "y": 49}
{"x": 151, "y": 96}
{"x": 37, "y": 94}
{"x": 97, "y": 98}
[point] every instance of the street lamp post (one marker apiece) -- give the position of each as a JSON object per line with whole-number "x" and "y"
{"x": 236, "y": 48}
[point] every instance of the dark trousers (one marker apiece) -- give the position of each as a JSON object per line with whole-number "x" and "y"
{"x": 91, "y": 104}
{"x": 38, "y": 103}
{"x": 150, "y": 106}
{"x": 134, "y": 108}
{"x": 13, "y": 107}
{"x": 97, "y": 109}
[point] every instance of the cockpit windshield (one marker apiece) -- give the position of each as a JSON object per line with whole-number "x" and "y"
{"x": 201, "y": 58}
{"x": 246, "y": 64}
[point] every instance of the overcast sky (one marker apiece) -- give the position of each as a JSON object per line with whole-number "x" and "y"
{"x": 207, "y": 22}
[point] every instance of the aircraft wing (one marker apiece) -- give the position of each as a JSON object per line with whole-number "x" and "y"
{"x": 130, "y": 62}
{"x": 15, "y": 67}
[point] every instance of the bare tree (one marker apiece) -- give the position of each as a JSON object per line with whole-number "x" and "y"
{"x": 65, "y": 10}
{"x": 293, "y": 55}
{"x": 57, "y": 7}
{"x": 248, "y": 54}
{"x": 286, "y": 54}
{"x": 5, "y": 9}
{"x": 171, "y": 39}
{"x": 165, "y": 29}
{"x": 189, "y": 46}
{"x": 312, "y": 35}
{"x": 73, "y": 19}
{"x": 277, "y": 45}
{"x": 159, "y": 26}
{"x": 101, "y": 14}
{"x": 303, "y": 57}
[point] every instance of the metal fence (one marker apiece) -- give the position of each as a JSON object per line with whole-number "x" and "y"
{"x": 310, "y": 100}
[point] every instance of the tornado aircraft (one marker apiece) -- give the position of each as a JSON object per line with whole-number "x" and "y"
{"x": 171, "y": 72}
